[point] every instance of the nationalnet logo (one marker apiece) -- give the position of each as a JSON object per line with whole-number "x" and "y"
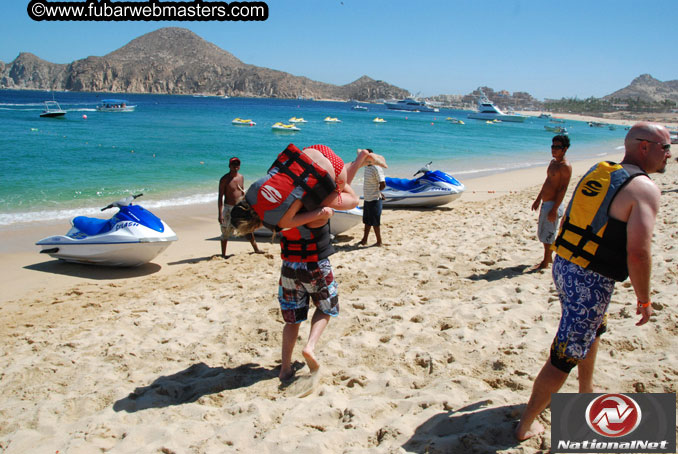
{"x": 613, "y": 415}
{"x": 613, "y": 423}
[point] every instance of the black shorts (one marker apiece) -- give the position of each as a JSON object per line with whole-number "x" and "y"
{"x": 372, "y": 213}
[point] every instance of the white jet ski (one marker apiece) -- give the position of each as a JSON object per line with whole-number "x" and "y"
{"x": 341, "y": 221}
{"x": 433, "y": 188}
{"x": 132, "y": 237}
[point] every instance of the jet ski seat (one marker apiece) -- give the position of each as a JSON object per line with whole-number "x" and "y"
{"x": 91, "y": 226}
{"x": 402, "y": 184}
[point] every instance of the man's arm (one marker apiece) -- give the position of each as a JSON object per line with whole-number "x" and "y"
{"x": 639, "y": 229}
{"x": 292, "y": 218}
{"x": 220, "y": 201}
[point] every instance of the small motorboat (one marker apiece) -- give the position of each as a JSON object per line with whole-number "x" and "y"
{"x": 674, "y": 136}
{"x": 341, "y": 221}
{"x": 296, "y": 120}
{"x": 132, "y": 237}
{"x": 114, "y": 105}
{"x": 433, "y": 188}
{"x": 242, "y": 122}
{"x": 360, "y": 108}
{"x": 379, "y": 120}
{"x": 52, "y": 110}
{"x": 281, "y": 127}
{"x": 454, "y": 121}
{"x": 332, "y": 120}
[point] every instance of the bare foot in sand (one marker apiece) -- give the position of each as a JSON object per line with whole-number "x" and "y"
{"x": 286, "y": 376}
{"x": 313, "y": 363}
{"x": 375, "y": 160}
{"x": 535, "y": 429}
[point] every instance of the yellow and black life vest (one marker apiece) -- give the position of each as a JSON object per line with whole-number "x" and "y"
{"x": 589, "y": 237}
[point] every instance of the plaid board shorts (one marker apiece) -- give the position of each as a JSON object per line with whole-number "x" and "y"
{"x": 301, "y": 280}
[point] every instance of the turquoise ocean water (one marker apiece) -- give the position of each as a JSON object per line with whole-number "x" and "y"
{"x": 174, "y": 149}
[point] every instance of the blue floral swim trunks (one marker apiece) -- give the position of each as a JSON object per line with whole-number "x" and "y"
{"x": 584, "y": 298}
{"x": 300, "y": 281}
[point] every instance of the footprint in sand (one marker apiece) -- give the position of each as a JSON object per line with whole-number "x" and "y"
{"x": 303, "y": 386}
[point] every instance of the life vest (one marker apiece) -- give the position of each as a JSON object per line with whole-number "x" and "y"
{"x": 292, "y": 176}
{"x": 589, "y": 237}
{"x": 304, "y": 244}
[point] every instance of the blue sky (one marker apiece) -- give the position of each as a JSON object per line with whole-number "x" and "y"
{"x": 550, "y": 49}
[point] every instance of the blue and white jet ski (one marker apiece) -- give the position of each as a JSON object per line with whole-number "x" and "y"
{"x": 132, "y": 237}
{"x": 433, "y": 188}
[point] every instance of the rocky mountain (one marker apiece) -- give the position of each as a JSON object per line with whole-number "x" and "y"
{"x": 177, "y": 61}
{"x": 647, "y": 88}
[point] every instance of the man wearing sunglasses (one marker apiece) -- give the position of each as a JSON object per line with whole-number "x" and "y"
{"x": 605, "y": 237}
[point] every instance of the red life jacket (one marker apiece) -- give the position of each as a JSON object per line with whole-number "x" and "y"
{"x": 304, "y": 244}
{"x": 292, "y": 176}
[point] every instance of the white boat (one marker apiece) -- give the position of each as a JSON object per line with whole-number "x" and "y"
{"x": 341, "y": 221}
{"x": 242, "y": 122}
{"x": 281, "y": 127}
{"x": 410, "y": 105}
{"x": 433, "y": 188}
{"x": 296, "y": 120}
{"x": 378, "y": 120}
{"x": 674, "y": 136}
{"x": 114, "y": 105}
{"x": 359, "y": 107}
{"x": 132, "y": 237}
{"x": 52, "y": 110}
{"x": 488, "y": 111}
{"x": 332, "y": 120}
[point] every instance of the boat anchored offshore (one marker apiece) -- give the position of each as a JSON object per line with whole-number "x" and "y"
{"x": 296, "y": 120}
{"x": 132, "y": 237}
{"x": 378, "y": 120}
{"x": 281, "y": 127}
{"x": 114, "y": 105}
{"x": 410, "y": 105}
{"x": 332, "y": 120}
{"x": 433, "y": 188}
{"x": 242, "y": 122}
{"x": 52, "y": 110}
{"x": 488, "y": 111}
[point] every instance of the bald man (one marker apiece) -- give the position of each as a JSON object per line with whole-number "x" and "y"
{"x": 605, "y": 237}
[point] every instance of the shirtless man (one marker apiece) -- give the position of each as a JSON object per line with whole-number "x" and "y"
{"x": 628, "y": 208}
{"x": 551, "y": 196}
{"x": 231, "y": 192}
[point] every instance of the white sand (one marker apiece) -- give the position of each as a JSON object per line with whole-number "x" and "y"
{"x": 440, "y": 336}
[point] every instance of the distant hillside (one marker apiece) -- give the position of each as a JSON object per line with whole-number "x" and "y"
{"x": 648, "y": 89}
{"x": 177, "y": 61}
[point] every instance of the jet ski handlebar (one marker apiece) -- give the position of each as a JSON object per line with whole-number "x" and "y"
{"x": 424, "y": 169}
{"x": 122, "y": 202}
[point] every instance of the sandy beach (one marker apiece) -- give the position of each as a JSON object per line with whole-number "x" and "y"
{"x": 440, "y": 335}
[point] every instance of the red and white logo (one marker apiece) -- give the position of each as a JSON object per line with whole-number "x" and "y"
{"x": 613, "y": 415}
{"x": 271, "y": 194}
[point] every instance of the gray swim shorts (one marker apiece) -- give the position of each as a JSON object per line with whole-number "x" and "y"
{"x": 226, "y": 228}
{"x": 547, "y": 231}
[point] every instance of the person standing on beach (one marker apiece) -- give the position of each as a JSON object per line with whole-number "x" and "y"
{"x": 231, "y": 192}
{"x": 374, "y": 183}
{"x": 551, "y": 197}
{"x": 606, "y": 237}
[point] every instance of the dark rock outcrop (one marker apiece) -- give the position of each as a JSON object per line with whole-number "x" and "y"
{"x": 177, "y": 61}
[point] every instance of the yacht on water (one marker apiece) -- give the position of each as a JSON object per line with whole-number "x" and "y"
{"x": 488, "y": 111}
{"x": 410, "y": 105}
